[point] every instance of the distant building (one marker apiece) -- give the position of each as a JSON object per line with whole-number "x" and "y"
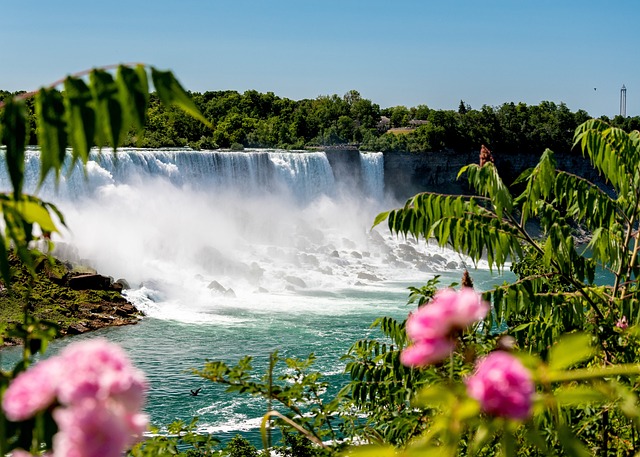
{"x": 417, "y": 122}
{"x": 384, "y": 123}
{"x": 623, "y": 101}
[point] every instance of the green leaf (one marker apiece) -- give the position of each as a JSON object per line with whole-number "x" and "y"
{"x": 108, "y": 109}
{"x": 14, "y": 137}
{"x": 133, "y": 89}
{"x": 171, "y": 93}
{"x": 434, "y": 396}
{"x": 5, "y": 269}
{"x": 571, "y": 445}
{"x": 371, "y": 451}
{"x": 578, "y": 395}
{"x": 380, "y": 218}
{"x": 80, "y": 117}
{"x": 570, "y": 350}
{"x": 35, "y": 213}
{"x": 51, "y": 130}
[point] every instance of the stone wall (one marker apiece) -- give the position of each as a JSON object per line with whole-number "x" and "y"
{"x": 408, "y": 173}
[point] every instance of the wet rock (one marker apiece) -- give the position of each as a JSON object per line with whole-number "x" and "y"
{"x": 368, "y": 277}
{"x": 229, "y": 293}
{"x": 356, "y": 254}
{"x": 90, "y": 282}
{"x": 309, "y": 259}
{"x": 438, "y": 258}
{"x": 217, "y": 287}
{"x": 452, "y": 265}
{"x": 123, "y": 282}
{"x": 348, "y": 244}
{"x": 335, "y": 254}
{"x": 125, "y": 310}
{"x": 296, "y": 281}
{"x": 77, "y": 329}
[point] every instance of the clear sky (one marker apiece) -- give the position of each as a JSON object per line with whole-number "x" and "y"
{"x": 393, "y": 52}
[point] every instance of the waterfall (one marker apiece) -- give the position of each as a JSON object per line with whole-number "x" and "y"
{"x": 302, "y": 175}
{"x": 372, "y": 165}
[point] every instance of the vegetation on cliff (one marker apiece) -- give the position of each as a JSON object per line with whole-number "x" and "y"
{"x": 254, "y": 119}
{"x": 51, "y": 295}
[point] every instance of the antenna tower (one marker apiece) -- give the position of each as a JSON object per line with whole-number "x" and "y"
{"x": 623, "y": 101}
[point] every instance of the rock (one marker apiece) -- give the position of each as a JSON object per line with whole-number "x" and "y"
{"x": 296, "y": 281}
{"x": 452, "y": 265}
{"x": 335, "y": 254}
{"x": 229, "y": 293}
{"x": 348, "y": 244}
{"x": 77, "y": 329}
{"x": 356, "y": 254}
{"x": 438, "y": 258}
{"x": 90, "y": 282}
{"x": 123, "y": 282}
{"x": 126, "y": 310}
{"x": 368, "y": 277}
{"x": 216, "y": 286}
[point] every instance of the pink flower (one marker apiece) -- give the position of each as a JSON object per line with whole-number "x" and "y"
{"x": 432, "y": 327}
{"x": 466, "y": 309}
{"x": 427, "y": 352}
{"x": 98, "y": 396}
{"x": 502, "y": 385}
{"x": 90, "y": 429}
{"x": 622, "y": 323}
{"x": 32, "y": 391}
{"x": 101, "y": 370}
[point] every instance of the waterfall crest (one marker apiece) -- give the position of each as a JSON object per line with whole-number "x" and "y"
{"x": 303, "y": 175}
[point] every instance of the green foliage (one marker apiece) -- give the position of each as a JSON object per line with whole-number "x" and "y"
{"x": 580, "y": 409}
{"x": 240, "y": 447}
{"x": 298, "y": 392}
{"x": 181, "y": 440}
{"x": 558, "y": 274}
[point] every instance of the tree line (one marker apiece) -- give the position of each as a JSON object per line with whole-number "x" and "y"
{"x": 254, "y": 119}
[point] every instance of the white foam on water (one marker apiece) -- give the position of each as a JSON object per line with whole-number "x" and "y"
{"x": 225, "y": 236}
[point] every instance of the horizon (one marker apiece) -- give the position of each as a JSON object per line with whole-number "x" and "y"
{"x": 408, "y": 54}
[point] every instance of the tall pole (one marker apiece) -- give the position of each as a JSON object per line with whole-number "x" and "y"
{"x": 623, "y": 101}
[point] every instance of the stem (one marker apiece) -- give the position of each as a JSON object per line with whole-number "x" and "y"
{"x": 269, "y": 404}
{"x": 573, "y": 282}
{"x": 627, "y": 239}
{"x": 585, "y": 374}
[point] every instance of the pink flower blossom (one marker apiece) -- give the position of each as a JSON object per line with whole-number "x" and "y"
{"x": 98, "y": 395}
{"x": 101, "y": 370}
{"x": 32, "y": 391}
{"x": 502, "y": 385}
{"x": 432, "y": 327}
{"x": 90, "y": 429}
{"x": 427, "y": 352}
{"x": 622, "y": 323}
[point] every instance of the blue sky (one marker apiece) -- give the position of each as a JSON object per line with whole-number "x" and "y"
{"x": 394, "y": 53}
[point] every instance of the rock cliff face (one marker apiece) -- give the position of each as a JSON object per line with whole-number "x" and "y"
{"x": 407, "y": 173}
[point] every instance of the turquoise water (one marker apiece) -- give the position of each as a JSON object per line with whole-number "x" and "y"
{"x": 166, "y": 350}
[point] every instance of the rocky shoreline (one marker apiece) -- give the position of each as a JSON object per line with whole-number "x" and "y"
{"x": 74, "y": 298}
